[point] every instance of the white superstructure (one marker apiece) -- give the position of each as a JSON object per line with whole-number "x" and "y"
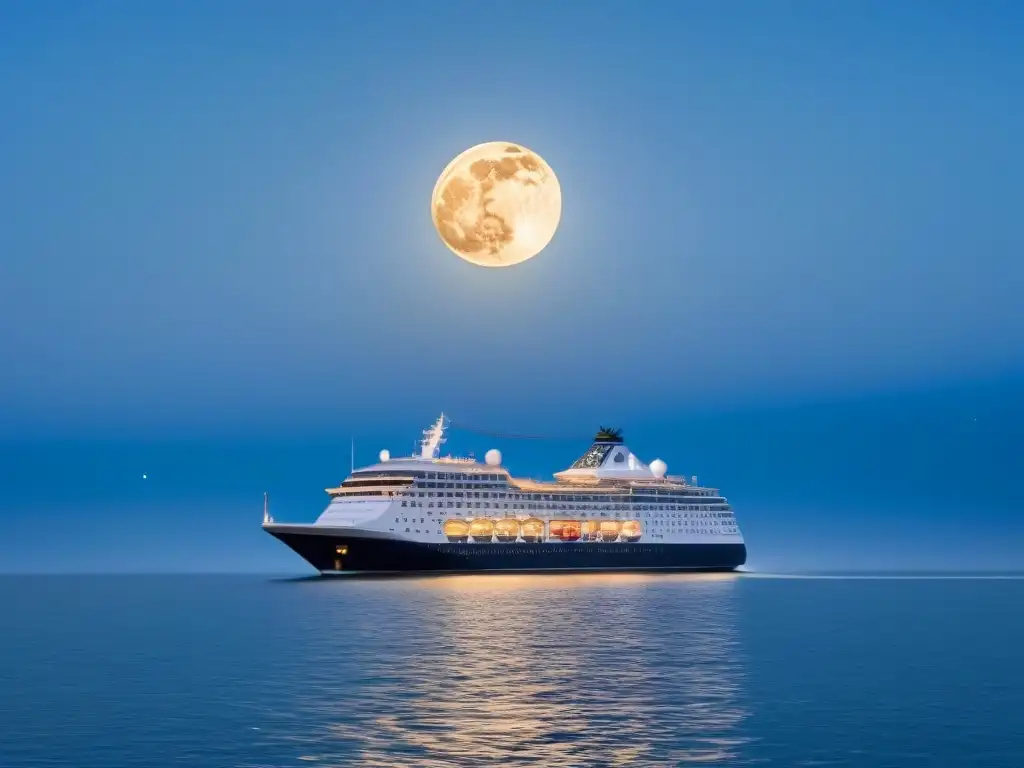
{"x": 607, "y": 495}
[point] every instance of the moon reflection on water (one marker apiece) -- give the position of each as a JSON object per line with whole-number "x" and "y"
{"x": 529, "y": 670}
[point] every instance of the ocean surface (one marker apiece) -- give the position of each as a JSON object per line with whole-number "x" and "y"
{"x": 559, "y": 670}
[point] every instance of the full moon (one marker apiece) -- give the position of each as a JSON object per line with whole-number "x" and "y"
{"x": 497, "y": 204}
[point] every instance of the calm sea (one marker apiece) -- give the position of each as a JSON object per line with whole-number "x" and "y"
{"x": 119, "y": 671}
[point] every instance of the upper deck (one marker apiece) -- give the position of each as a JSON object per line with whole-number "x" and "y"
{"x": 607, "y": 469}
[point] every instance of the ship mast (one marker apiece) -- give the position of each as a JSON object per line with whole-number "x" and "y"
{"x": 430, "y": 445}
{"x": 266, "y": 509}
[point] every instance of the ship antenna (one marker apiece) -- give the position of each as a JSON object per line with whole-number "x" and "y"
{"x": 352, "y": 456}
{"x": 266, "y": 509}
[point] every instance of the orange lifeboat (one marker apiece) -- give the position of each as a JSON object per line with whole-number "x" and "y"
{"x": 532, "y": 529}
{"x": 609, "y": 530}
{"x": 506, "y": 529}
{"x": 565, "y": 530}
{"x": 456, "y": 530}
{"x": 590, "y": 529}
{"x": 631, "y": 530}
{"x": 481, "y": 530}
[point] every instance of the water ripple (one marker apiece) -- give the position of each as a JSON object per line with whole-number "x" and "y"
{"x": 528, "y": 670}
{"x": 596, "y": 670}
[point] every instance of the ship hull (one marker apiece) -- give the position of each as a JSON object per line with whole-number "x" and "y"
{"x": 340, "y": 552}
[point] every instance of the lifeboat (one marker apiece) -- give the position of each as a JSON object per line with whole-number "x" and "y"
{"x": 631, "y": 530}
{"x": 506, "y": 530}
{"x": 609, "y": 530}
{"x": 590, "y": 529}
{"x": 456, "y": 530}
{"x": 565, "y": 530}
{"x": 481, "y": 530}
{"x": 532, "y": 529}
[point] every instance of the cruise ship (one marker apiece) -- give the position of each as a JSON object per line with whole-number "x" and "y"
{"x": 427, "y": 513}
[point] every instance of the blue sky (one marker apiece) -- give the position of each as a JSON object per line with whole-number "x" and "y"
{"x": 779, "y": 220}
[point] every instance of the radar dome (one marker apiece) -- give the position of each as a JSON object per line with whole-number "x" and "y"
{"x": 385, "y": 455}
{"x": 659, "y": 468}
{"x": 493, "y": 457}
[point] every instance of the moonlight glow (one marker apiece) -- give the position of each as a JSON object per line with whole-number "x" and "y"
{"x": 497, "y": 204}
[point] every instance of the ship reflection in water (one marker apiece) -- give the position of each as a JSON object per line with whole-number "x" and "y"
{"x": 552, "y": 670}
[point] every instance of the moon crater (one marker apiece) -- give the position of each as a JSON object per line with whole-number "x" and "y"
{"x": 497, "y": 204}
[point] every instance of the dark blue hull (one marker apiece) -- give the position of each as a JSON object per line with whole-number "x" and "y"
{"x": 331, "y": 552}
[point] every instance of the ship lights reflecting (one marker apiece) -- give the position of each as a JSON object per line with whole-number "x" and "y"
{"x": 552, "y": 670}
